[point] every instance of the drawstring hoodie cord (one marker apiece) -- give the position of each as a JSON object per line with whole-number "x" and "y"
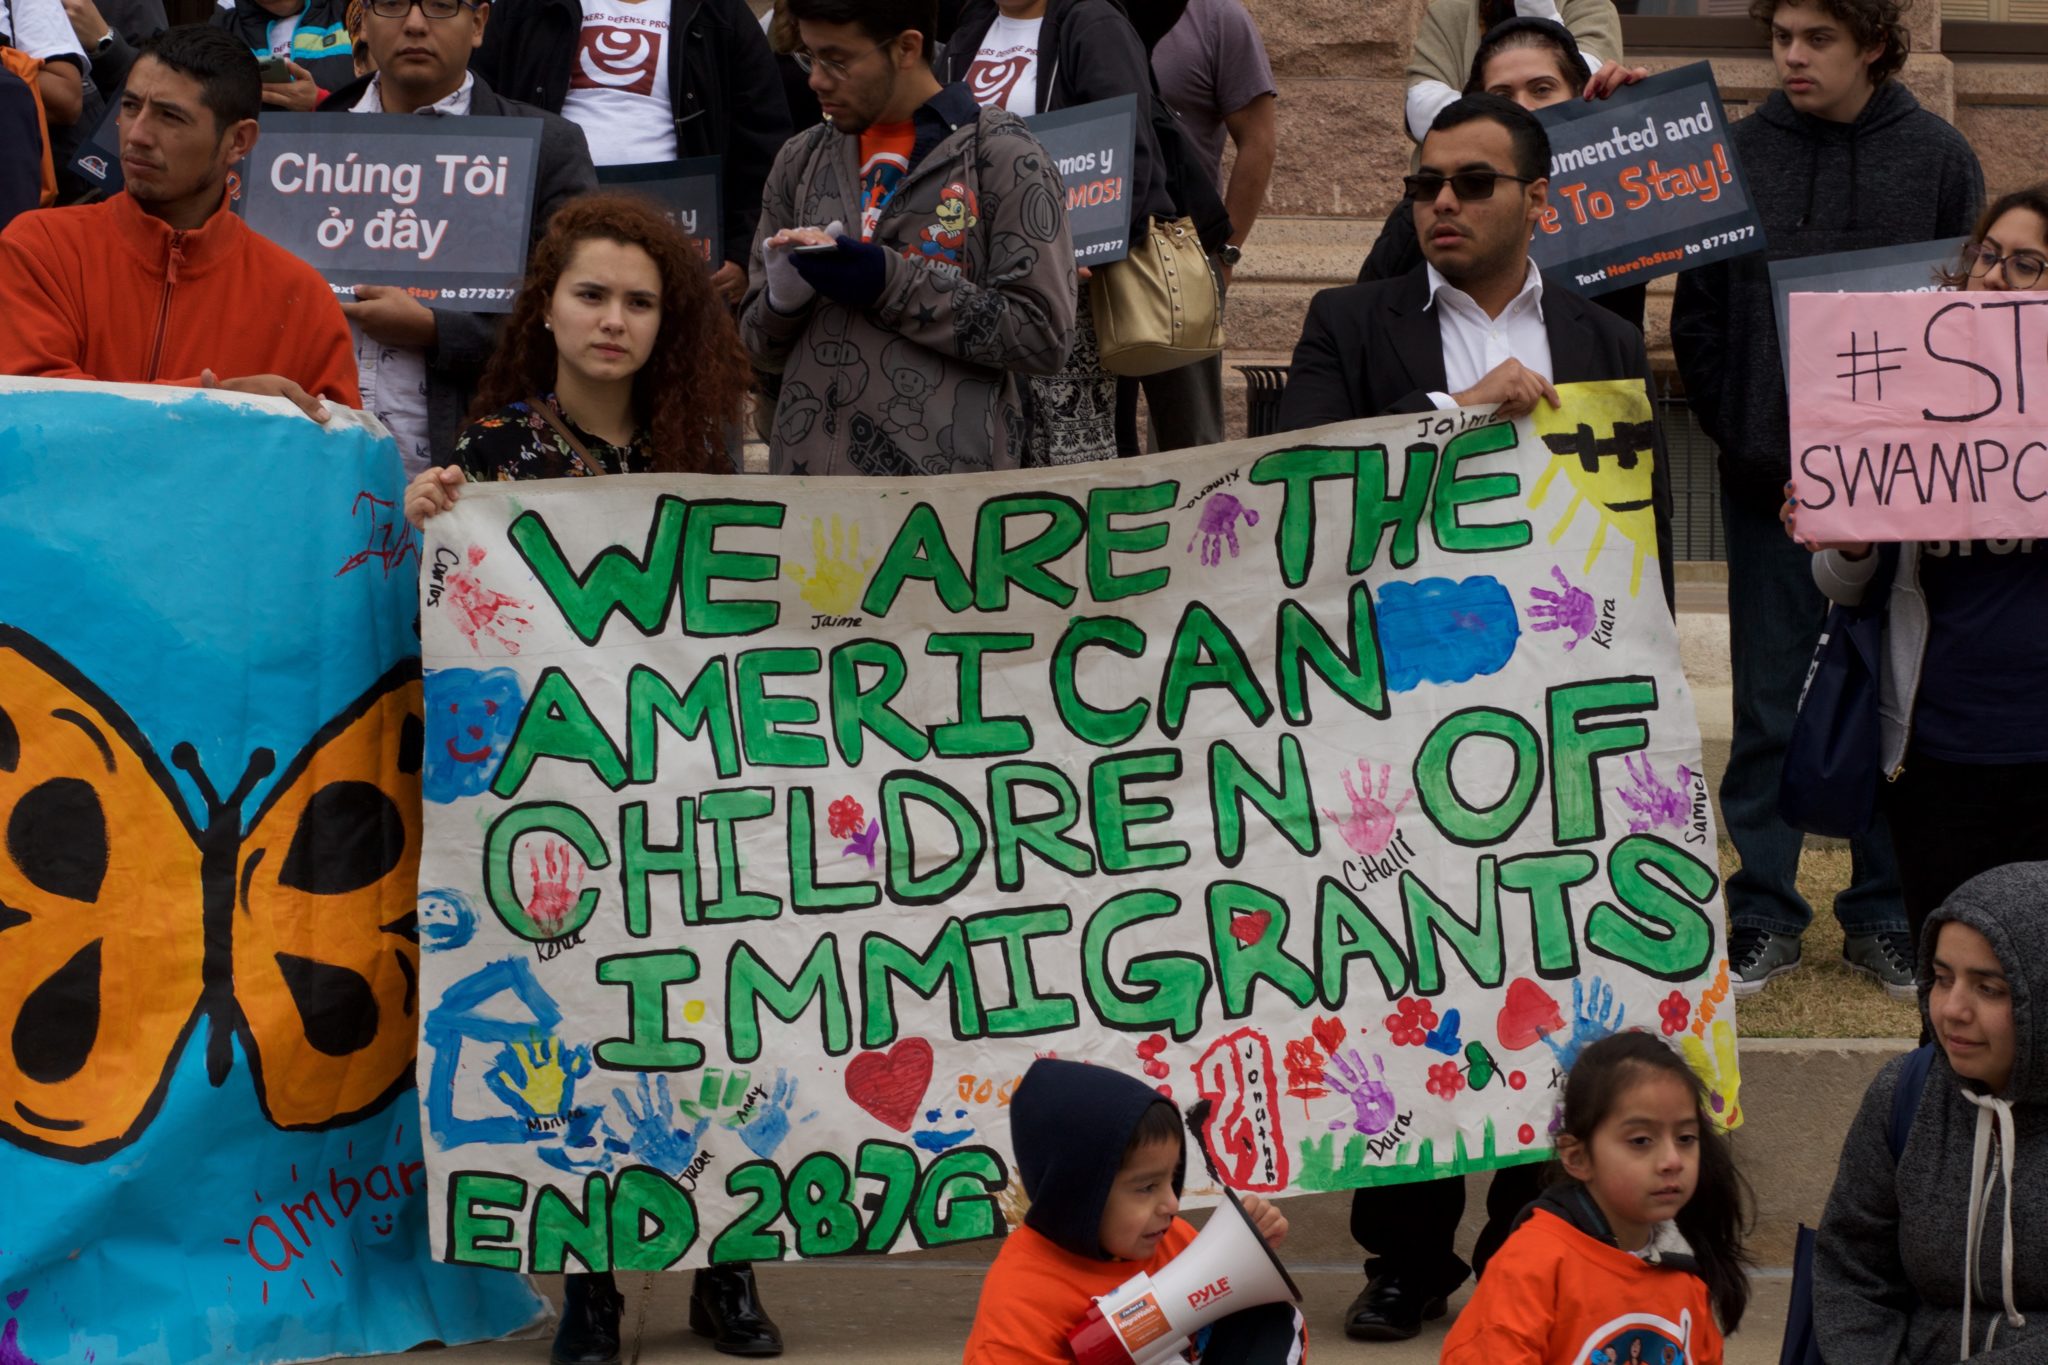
{"x": 1994, "y": 1120}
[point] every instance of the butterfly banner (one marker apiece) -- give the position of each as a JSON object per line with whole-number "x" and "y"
{"x": 1347, "y": 779}
{"x": 210, "y": 754}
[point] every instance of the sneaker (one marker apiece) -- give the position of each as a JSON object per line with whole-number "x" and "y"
{"x": 1888, "y": 957}
{"x": 1757, "y": 955}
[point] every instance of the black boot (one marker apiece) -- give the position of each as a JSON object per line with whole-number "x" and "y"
{"x": 589, "y": 1330}
{"x": 1390, "y": 1310}
{"x": 726, "y": 1306}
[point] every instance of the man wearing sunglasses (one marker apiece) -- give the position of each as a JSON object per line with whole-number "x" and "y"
{"x": 1474, "y": 325}
{"x": 419, "y": 366}
{"x": 653, "y": 81}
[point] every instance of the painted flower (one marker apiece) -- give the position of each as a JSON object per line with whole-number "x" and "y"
{"x": 844, "y": 817}
{"x": 1676, "y": 1009}
{"x": 1411, "y": 1022}
{"x": 1445, "y": 1080}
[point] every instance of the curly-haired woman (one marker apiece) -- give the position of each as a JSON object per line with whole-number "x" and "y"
{"x": 619, "y": 358}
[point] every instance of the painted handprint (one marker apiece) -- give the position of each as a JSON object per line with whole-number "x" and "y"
{"x": 1571, "y": 609}
{"x": 1371, "y": 1099}
{"x": 484, "y": 613}
{"x": 1721, "y": 1072}
{"x": 1218, "y": 527}
{"x": 1650, "y": 803}
{"x": 834, "y": 582}
{"x": 765, "y": 1131}
{"x": 1590, "y": 1021}
{"x": 537, "y": 1078}
{"x": 557, "y": 875}
{"x": 655, "y": 1138}
{"x": 1369, "y": 827}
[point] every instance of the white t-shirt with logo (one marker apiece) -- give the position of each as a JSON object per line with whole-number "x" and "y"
{"x": 618, "y": 87}
{"x": 1005, "y": 70}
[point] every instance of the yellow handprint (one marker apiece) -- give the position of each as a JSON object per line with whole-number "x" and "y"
{"x": 1722, "y": 1073}
{"x": 537, "y": 1078}
{"x": 833, "y": 586}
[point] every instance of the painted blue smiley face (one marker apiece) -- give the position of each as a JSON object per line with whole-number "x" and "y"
{"x": 445, "y": 920}
{"x": 472, "y": 715}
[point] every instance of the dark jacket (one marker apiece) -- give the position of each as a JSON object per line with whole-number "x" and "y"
{"x": 1367, "y": 350}
{"x": 1891, "y": 1265}
{"x": 1087, "y": 51}
{"x": 320, "y": 43}
{"x": 1398, "y": 250}
{"x": 464, "y": 340}
{"x": 1896, "y": 175}
{"x": 21, "y": 148}
{"x": 723, "y": 87}
{"x": 130, "y": 23}
{"x": 1069, "y": 1126}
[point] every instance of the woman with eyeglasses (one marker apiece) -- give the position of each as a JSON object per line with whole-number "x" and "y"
{"x": 619, "y": 358}
{"x": 1964, "y": 711}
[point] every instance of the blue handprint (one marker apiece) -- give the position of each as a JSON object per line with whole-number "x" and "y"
{"x": 1590, "y": 1022}
{"x": 656, "y": 1140}
{"x": 1444, "y": 1037}
{"x": 580, "y": 1149}
{"x": 1372, "y": 1100}
{"x": 766, "y": 1130}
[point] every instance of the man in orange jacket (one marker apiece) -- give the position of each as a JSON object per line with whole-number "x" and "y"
{"x": 163, "y": 283}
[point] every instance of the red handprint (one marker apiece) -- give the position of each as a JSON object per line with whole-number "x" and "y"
{"x": 481, "y": 611}
{"x": 557, "y": 881}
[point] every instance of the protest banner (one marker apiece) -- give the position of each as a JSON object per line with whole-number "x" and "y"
{"x": 1642, "y": 184}
{"x": 438, "y": 207}
{"x": 1090, "y": 146}
{"x": 1347, "y": 779}
{"x": 1910, "y": 269}
{"x": 209, "y": 1139}
{"x": 687, "y": 191}
{"x": 1911, "y": 419}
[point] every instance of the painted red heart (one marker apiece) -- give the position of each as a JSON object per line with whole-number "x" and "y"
{"x": 1250, "y": 927}
{"x": 1328, "y": 1032}
{"x": 890, "y": 1085}
{"x": 1528, "y": 1014}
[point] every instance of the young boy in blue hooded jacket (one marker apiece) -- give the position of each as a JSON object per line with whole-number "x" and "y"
{"x": 1103, "y": 1158}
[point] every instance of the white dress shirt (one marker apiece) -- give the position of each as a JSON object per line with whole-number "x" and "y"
{"x": 393, "y": 379}
{"x": 1475, "y": 344}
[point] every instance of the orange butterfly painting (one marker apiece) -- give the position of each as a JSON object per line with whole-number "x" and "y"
{"x": 127, "y": 927}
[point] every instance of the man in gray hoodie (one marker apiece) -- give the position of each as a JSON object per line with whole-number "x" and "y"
{"x": 913, "y": 258}
{"x": 1840, "y": 158}
{"x": 1935, "y": 1248}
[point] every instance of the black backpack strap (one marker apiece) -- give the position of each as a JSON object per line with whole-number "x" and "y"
{"x": 1906, "y": 1098}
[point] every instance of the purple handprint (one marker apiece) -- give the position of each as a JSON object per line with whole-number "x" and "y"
{"x": 1649, "y": 801}
{"x": 1369, "y": 1095}
{"x": 1370, "y": 825}
{"x": 1573, "y": 609}
{"x": 1219, "y": 526}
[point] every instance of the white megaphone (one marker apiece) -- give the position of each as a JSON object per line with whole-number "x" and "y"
{"x": 1149, "y": 1318}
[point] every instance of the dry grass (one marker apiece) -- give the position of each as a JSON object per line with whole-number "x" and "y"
{"x": 1823, "y": 999}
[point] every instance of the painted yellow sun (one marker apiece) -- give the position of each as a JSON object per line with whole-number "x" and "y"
{"x": 1601, "y": 442}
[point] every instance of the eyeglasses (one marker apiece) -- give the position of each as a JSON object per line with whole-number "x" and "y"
{"x": 2021, "y": 272}
{"x": 433, "y": 9}
{"x": 1469, "y": 186}
{"x": 807, "y": 62}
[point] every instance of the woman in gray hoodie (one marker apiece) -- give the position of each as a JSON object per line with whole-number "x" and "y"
{"x": 1941, "y": 1253}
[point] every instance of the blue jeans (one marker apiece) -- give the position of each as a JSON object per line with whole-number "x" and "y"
{"x": 1774, "y": 619}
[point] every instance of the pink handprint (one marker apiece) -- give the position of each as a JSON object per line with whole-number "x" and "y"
{"x": 1572, "y": 609}
{"x": 1370, "y": 826}
{"x": 1649, "y": 801}
{"x": 484, "y": 611}
{"x": 1219, "y": 526}
{"x": 557, "y": 881}
{"x": 1371, "y": 1099}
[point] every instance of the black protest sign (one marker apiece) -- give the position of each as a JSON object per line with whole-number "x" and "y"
{"x": 689, "y": 192}
{"x": 1643, "y": 184}
{"x": 1090, "y": 146}
{"x": 98, "y": 160}
{"x": 436, "y": 206}
{"x": 1908, "y": 269}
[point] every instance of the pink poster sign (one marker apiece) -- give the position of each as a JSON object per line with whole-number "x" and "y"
{"x": 1920, "y": 416}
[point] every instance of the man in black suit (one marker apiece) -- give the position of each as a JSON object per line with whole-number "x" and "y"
{"x": 1475, "y": 324}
